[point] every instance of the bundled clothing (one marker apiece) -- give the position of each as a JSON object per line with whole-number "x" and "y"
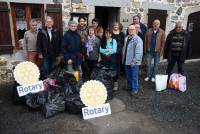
{"x": 177, "y": 49}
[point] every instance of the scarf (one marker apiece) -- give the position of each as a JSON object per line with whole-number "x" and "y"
{"x": 89, "y": 44}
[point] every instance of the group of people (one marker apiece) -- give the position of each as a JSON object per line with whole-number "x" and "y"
{"x": 82, "y": 47}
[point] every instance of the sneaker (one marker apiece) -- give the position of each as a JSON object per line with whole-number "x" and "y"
{"x": 152, "y": 79}
{"x": 134, "y": 92}
{"x": 146, "y": 79}
{"x": 115, "y": 86}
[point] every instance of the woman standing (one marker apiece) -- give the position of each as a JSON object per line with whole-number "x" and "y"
{"x": 30, "y": 40}
{"x": 92, "y": 44}
{"x": 108, "y": 50}
{"x": 82, "y": 28}
{"x": 119, "y": 36}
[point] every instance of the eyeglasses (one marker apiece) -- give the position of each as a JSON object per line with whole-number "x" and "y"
{"x": 34, "y": 25}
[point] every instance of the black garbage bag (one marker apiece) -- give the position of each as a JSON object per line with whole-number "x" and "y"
{"x": 59, "y": 75}
{"x": 101, "y": 70}
{"x": 105, "y": 75}
{"x": 15, "y": 97}
{"x": 36, "y": 100}
{"x": 73, "y": 103}
{"x": 55, "y": 102}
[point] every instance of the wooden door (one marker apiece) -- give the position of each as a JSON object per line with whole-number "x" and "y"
{"x": 157, "y": 14}
{"x": 194, "y": 29}
{"x": 21, "y": 15}
{"x": 55, "y": 11}
{"x": 5, "y": 32}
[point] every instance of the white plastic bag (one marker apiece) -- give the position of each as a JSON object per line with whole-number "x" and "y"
{"x": 161, "y": 82}
{"x": 178, "y": 82}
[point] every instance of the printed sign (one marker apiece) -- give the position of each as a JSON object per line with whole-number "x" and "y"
{"x": 92, "y": 112}
{"x": 32, "y": 88}
{"x": 93, "y": 94}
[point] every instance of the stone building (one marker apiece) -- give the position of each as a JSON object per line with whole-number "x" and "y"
{"x": 17, "y": 13}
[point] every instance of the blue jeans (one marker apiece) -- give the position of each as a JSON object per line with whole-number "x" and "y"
{"x": 47, "y": 65}
{"x": 152, "y": 70}
{"x": 132, "y": 74}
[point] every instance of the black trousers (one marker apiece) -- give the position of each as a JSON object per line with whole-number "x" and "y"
{"x": 172, "y": 62}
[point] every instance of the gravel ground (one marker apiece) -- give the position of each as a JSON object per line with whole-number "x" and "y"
{"x": 148, "y": 112}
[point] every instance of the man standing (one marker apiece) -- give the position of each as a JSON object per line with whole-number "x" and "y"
{"x": 177, "y": 48}
{"x": 30, "y": 40}
{"x": 48, "y": 45}
{"x": 71, "y": 48}
{"x": 154, "y": 46}
{"x": 142, "y": 28}
{"x": 132, "y": 58}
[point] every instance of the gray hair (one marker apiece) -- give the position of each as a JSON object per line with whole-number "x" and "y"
{"x": 49, "y": 18}
{"x": 72, "y": 22}
{"x": 179, "y": 23}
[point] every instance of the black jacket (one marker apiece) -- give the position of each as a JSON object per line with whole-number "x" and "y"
{"x": 47, "y": 47}
{"x": 71, "y": 47}
{"x": 185, "y": 53}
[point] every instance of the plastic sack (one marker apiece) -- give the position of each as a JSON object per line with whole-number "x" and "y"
{"x": 55, "y": 102}
{"x": 36, "y": 100}
{"x": 15, "y": 97}
{"x": 59, "y": 75}
{"x": 178, "y": 82}
{"x": 161, "y": 82}
{"x": 73, "y": 103}
{"x": 105, "y": 75}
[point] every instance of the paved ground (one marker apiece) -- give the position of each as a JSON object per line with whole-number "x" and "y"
{"x": 150, "y": 112}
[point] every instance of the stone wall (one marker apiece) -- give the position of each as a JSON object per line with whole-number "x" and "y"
{"x": 6, "y": 69}
{"x": 176, "y": 10}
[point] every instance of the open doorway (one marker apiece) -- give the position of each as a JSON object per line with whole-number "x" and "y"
{"x": 194, "y": 28}
{"x": 107, "y": 15}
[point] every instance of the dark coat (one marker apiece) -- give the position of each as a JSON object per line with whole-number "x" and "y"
{"x": 185, "y": 53}
{"x": 120, "y": 41}
{"x": 71, "y": 47}
{"x": 47, "y": 47}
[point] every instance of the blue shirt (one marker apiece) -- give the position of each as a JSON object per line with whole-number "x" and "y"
{"x": 111, "y": 47}
{"x": 153, "y": 41}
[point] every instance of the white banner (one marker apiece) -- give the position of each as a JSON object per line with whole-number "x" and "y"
{"x": 33, "y": 88}
{"x": 92, "y": 112}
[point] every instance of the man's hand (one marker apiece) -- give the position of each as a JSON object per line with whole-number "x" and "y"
{"x": 132, "y": 64}
{"x": 69, "y": 61}
{"x": 40, "y": 56}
